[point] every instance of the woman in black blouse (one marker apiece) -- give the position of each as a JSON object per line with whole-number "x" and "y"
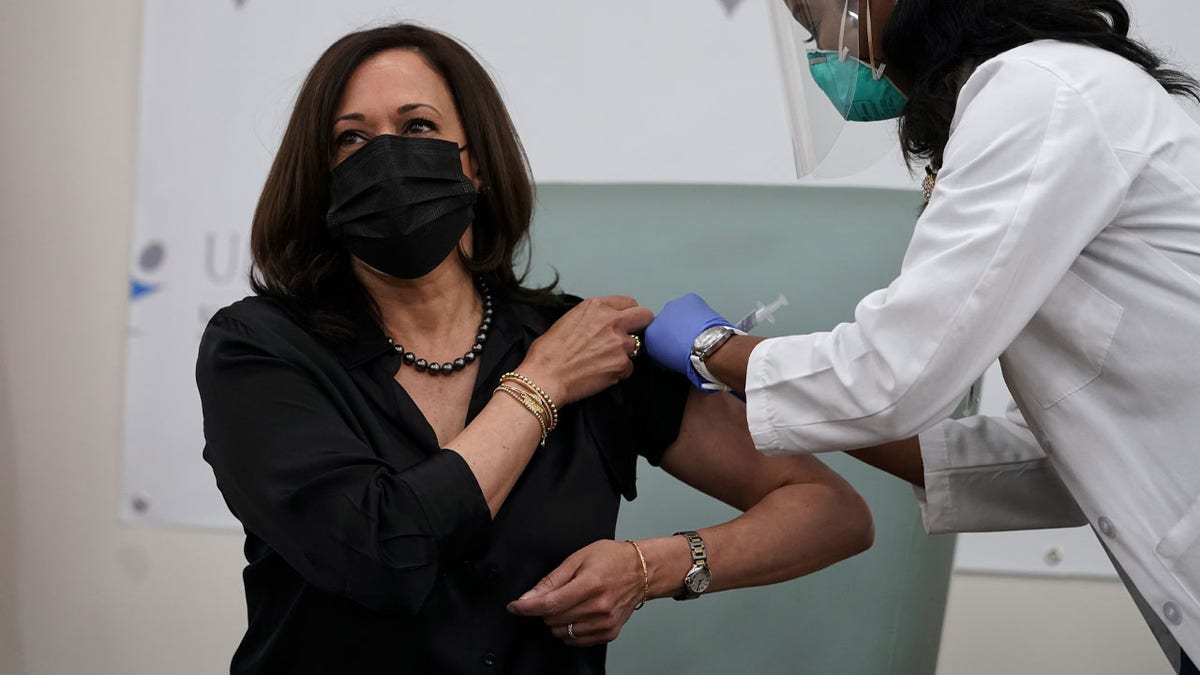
{"x": 427, "y": 456}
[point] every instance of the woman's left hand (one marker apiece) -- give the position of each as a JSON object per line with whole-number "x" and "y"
{"x": 594, "y": 591}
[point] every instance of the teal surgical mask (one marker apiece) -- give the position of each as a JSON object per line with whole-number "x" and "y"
{"x": 858, "y": 91}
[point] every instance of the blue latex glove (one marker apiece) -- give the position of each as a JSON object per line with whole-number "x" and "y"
{"x": 670, "y": 336}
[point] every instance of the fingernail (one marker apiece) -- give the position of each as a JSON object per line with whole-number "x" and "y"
{"x": 532, "y": 593}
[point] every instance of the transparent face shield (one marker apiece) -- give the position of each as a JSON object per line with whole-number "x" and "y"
{"x": 822, "y": 45}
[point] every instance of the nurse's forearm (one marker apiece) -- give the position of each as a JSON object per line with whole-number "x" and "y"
{"x": 899, "y": 458}
{"x": 728, "y": 364}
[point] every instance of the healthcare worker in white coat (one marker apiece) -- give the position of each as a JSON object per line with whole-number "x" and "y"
{"x": 1061, "y": 235}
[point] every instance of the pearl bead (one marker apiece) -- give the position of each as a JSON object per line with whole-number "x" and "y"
{"x": 449, "y": 367}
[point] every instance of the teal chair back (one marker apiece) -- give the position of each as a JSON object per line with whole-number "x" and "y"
{"x": 879, "y": 613}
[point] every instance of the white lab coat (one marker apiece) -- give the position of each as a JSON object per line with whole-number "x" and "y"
{"x": 1063, "y": 238}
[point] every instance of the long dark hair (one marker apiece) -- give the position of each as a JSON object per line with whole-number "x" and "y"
{"x": 930, "y": 41}
{"x": 296, "y": 260}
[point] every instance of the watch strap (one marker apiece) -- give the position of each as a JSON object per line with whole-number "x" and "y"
{"x": 696, "y": 543}
{"x": 699, "y": 560}
{"x": 699, "y": 355}
{"x": 711, "y": 381}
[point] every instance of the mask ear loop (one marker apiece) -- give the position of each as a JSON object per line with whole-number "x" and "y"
{"x": 875, "y": 72}
{"x": 483, "y": 189}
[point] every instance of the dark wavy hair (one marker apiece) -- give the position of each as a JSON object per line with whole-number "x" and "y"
{"x": 930, "y": 41}
{"x": 298, "y": 262}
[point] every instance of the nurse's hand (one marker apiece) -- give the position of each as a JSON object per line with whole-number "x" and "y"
{"x": 670, "y": 336}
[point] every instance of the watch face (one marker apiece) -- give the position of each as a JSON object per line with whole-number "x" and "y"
{"x": 698, "y": 579}
{"x": 706, "y": 339}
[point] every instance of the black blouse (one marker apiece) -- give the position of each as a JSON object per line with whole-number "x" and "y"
{"x": 370, "y": 549}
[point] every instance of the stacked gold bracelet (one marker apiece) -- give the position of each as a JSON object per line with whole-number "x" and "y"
{"x": 535, "y": 400}
{"x": 531, "y": 403}
{"x": 546, "y": 400}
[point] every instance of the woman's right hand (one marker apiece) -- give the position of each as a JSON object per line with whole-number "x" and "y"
{"x": 588, "y": 349}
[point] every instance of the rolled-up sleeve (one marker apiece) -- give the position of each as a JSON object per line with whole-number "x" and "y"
{"x": 293, "y": 468}
{"x": 989, "y": 474}
{"x": 1028, "y": 180}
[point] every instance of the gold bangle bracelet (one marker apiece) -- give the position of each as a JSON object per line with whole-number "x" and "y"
{"x": 516, "y": 387}
{"x": 513, "y": 375}
{"x": 645, "y": 575}
{"x": 522, "y": 394}
{"x": 533, "y": 409}
{"x": 545, "y": 400}
{"x": 530, "y": 401}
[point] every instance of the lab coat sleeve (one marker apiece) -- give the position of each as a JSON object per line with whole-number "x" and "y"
{"x": 1028, "y": 179}
{"x": 989, "y": 474}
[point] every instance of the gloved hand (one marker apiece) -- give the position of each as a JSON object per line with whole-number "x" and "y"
{"x": 670, "y": 336}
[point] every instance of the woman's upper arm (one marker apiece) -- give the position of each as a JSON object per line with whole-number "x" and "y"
{"x": 715, "y": 454}
{"x": 296, "y": 474}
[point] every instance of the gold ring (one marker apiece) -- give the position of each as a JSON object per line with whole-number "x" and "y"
{"x": 637, "y": 346}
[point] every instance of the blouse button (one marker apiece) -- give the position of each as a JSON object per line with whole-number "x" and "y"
{"x": 1172, "y": 614}
{"x": 489, "y": 659}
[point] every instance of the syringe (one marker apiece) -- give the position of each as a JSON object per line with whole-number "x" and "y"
{"x": 760, "y": 313}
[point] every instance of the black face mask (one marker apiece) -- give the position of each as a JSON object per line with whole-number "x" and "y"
{"x": 401, "y": 204}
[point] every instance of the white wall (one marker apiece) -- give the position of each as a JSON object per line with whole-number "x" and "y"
{"x": 8, "y": 520}
{"x": 79, "y": 592}
{"x": 1004, "y": 625}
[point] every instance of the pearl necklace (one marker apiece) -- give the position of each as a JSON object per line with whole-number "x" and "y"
{"x": 461, "y": 363}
